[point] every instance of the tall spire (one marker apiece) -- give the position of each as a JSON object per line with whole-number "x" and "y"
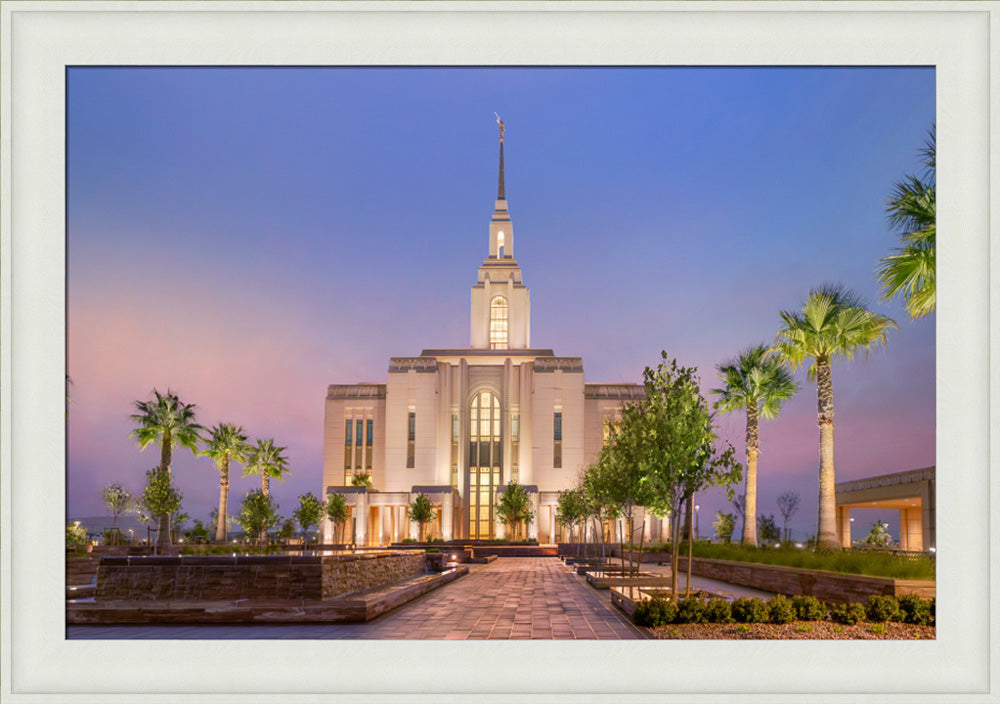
{"x": 500, "y": 190}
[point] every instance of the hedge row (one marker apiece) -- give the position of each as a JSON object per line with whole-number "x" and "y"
{"x": 780, "y": 609}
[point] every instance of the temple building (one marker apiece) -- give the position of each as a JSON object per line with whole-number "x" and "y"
{"x": 458, "y": 424}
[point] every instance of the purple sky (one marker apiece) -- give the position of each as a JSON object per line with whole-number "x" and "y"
{"x": 246, "y": 237}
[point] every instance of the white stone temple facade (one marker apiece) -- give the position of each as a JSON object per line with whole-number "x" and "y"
{"x": 459, "y": 424}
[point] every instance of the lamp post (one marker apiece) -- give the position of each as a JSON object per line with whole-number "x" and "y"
{"x": 696, "y": 508}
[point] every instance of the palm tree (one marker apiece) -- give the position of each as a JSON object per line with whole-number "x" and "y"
{"x": 912, "y": 214}
{"x": 225, "y": 444}
{"x": 760, "y": 384}
{"x": 168, "y": 421}
{"x": 266, "y": 460}
{"x": 834, "y": 323}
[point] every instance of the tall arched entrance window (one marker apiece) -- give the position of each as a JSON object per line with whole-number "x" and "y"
{"x": 498, "y": 323}
{"x": 484, "y": 463}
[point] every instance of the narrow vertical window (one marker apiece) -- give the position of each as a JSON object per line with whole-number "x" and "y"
{"x": 348, "y": 435}
{"x": 411, "y": 440}
{"x": 369, "y": 433}
{"x": 557, "y": 441}
{"x": 498, "y": 323}
{"x": 359, "y": 427}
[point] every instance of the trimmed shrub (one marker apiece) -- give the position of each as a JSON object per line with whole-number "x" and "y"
{"x": 691, "y": 611}
{"x": 654, "y": 612}
{"x": 916, "y": 610}
{"x": 881, "y": 608}
{"x": 749, "y": 610}
{"x": 779, "y": 610}
{"x": 808, "y": 608}
{"x": 719, "y": 611}
{"x": 848, "y": 614}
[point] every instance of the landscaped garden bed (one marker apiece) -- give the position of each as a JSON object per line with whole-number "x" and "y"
{"x": 848, "y": 584}
{"x": 605, "y": 579}
{"x": 801, "y": 617}
{"x": 797, "y": 630}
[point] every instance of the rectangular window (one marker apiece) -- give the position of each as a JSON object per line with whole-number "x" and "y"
{"x": 358, "y": 434}
{"x": 347, "y": 452}
{"x": 557, "y": 441}
{"x": 370, "y": 428}
{"x": 411, "y": 440}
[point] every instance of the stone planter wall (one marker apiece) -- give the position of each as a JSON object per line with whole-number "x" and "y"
{"x": 249, "y": 577}
{"x": 829, "y": 586}
{"x": 354, "y": 573}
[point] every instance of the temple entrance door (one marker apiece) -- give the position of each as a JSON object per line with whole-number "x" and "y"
{"x": 483, "y": 475}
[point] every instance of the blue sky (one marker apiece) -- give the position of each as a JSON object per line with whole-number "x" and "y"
{"x": 248, "y": 236}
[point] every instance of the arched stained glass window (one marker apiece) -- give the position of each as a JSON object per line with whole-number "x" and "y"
{"x": 485, "y": 462}
{"x": 498, "y": 323}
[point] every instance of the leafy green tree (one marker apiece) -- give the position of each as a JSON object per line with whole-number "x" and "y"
{"x": 197, "y": 534}
{"x": 338, "y": 512}
{"x": 308, "y": 514}
{"x": 362, "y": 479}
{"x": 879, "y": 536}
{"x": 76, "y": 536}
{"x": 912, "y": 212}
{"x": 226, "y": 443}
{"x": 769, "y": 532}
{"x": 267, "y": 460}
{"x": 788, "y": 504}
{"x": 833, "y": 323}
{"x": 170, "y": 422}
{"x": 761, "y": 385}
{"x": 118, "y": 499}
{"x": 258, "y": 515}
{"x": 514, "y": 508}
{"x": 421, "y": 512}
{"x": 287, "y": 530}
{"x": 160, "y": 498}
{"x": 628, "y": 484}
{"x": 177, "y": 523}
{"x": 598, "y": 498}
{"x": 724, "y": 525}
{"x": 680, "y": 451}
{"x": 570, "y": 509}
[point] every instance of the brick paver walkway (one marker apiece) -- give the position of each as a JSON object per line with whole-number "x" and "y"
{"x": 510, "y": 598}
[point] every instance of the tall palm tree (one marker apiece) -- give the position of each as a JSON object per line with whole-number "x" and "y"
{"x": 912, "y": 214}
{"x": 834, "y": 323}
{"x": 265, "y": 459}
{"x": 170, "y": 422}
{"x": 760, "y": 384}
{"x": 226, "y": 443}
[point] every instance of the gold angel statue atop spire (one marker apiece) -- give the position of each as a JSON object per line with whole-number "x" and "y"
{"x": 499, "y": 122}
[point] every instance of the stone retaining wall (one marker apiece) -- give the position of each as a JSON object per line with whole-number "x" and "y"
{"x": 343, "y": 575}
{"x": 199, "y": 577}
{"x": 829, "y": 586}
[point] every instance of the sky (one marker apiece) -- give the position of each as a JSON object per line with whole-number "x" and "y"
{"x": 246, "y": 236}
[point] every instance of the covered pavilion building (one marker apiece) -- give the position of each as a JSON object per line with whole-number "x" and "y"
{"x": 911, "y": 493}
